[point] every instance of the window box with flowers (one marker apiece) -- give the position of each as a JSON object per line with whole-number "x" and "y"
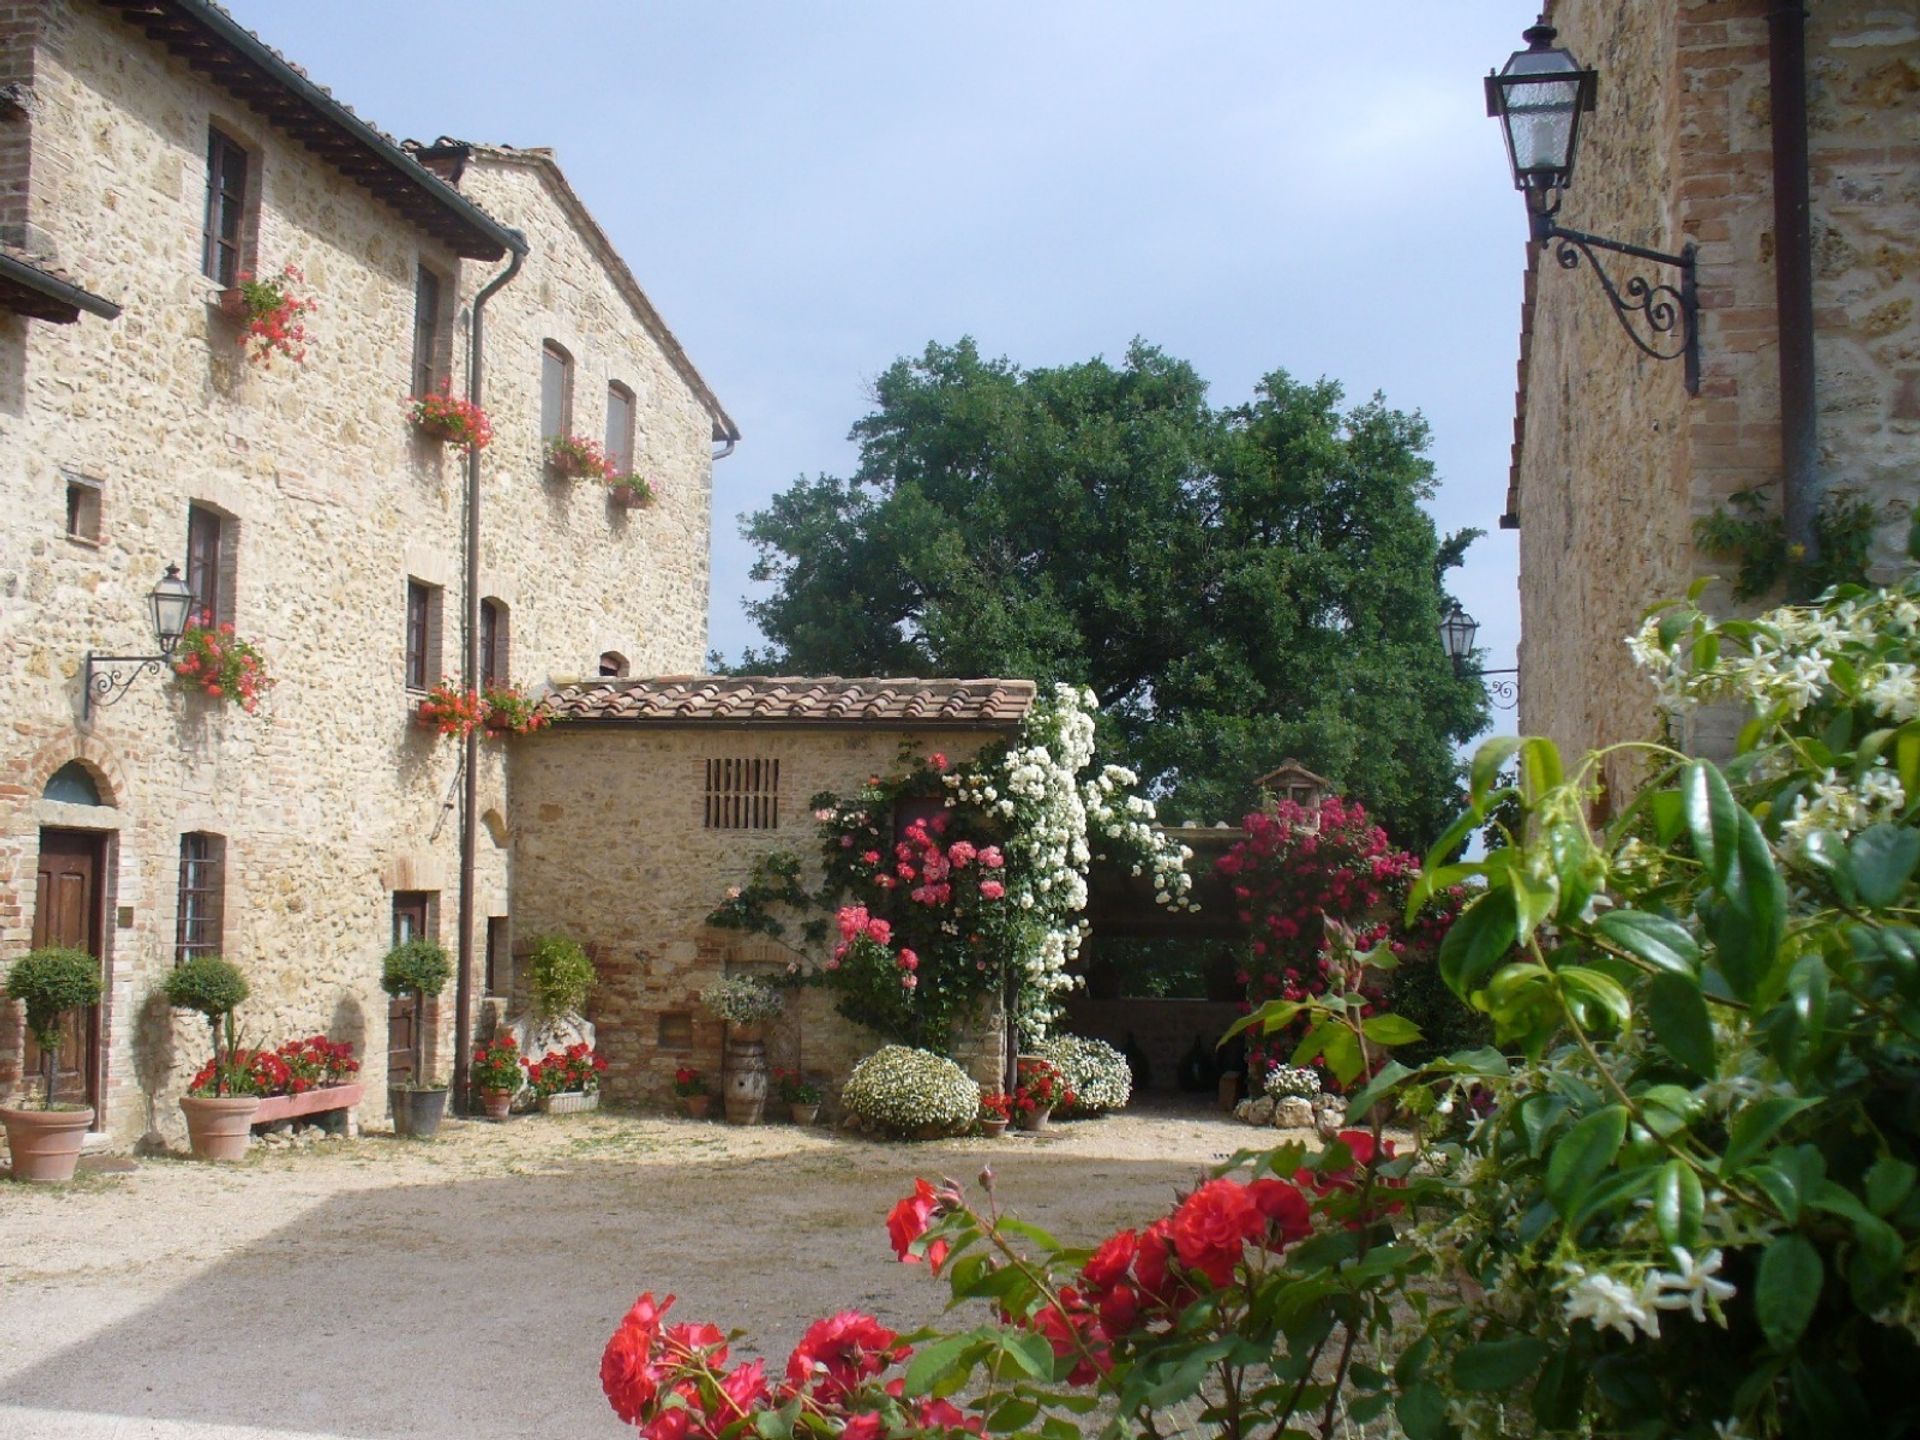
{"x": 566, "y": 1082}
{"x": 630, "y": 492}
{"x": 574, "y": 457}
{"x": 511, "y": 711}
{"x": 446, "y": 709}
{"x": 310, "y": 1079}
{"x": 271, "y": 313}
{"x": 444, "y": 417}
{"x": 212, "y": 659}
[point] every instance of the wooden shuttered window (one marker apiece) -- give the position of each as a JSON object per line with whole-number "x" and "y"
{"x": 743, "y": 794}
{"x": 204, "y": 566}
{"x": 620, "y": 428}
{"x": 426, "y": 332}
{"x": 201, "y": 913}
{"x": 423, "y": 667}
{"x": 223, "y": 258}
{"x": 556, "y": 392}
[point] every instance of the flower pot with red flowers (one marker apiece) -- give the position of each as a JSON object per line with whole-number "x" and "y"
{"x": 443, "y": 417}
{"x": 497, "y": 1073}
{"x": 448, "y": 710}
{"x": 574, "y": 457}
{"x": 44, "y": 1144}
{"x": 800, "y": 1095}
{"x": 1041, "y": 1087}
{"x": 310, "y": 1080}
{"x": 511, "y": 711}
{"x": 567, "y": 1081}
{"x": 630, "y": 492}
{"x": 996, "y": 1113}
{"x": 417, "y": 969}
{"x": 210, "y": 658}
{"x": 691, "y": 1087}
{"x": 221, "y": 1100}
{"x": 272, "y": 314}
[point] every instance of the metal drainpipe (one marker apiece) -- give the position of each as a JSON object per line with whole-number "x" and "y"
{"x": 470, "y": 673}
{"x": 1800, "y": 480}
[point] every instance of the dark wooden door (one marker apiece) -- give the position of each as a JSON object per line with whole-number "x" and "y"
{"x": 66, "y": 911}
{"x": 411, "y": 914}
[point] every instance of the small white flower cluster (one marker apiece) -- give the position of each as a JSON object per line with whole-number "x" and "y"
{"x": 1293, "y": 1081}
{"x": 898, "y": 1090}
{"x": 1097, "y": 1074}
{"x": 1609, "y": 1303}
{"x": 1123, "y": 829}
{"x": 1840, "y": 809}
{"x": 742, "y": 1000}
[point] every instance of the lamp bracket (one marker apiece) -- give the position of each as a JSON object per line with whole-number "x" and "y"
{"x": 109, "y": 678}
{"x": 1501, "y": 694}
{"x": 1662, "y": 319}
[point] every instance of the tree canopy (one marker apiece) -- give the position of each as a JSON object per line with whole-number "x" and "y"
{"x": 1237, "y": 585}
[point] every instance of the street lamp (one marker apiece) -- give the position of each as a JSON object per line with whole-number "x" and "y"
{"x": 167, "y": 606}
{"x": 1457, "y": 629}
{"x": 1539, "y": 96}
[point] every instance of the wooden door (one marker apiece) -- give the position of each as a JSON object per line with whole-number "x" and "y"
{"x": 411, "y": 916}
{"x": 66, "y": 911}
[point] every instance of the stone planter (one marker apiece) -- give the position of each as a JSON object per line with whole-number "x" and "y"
{"x": 498, "y": 1103}
{"x": 804, "y": 1114}
{"x": 1036, "y": 1119}
{"x": 417, "y": 1112}
{"x": 44, "y": 1145}
{"x": 219, "y": 1126}
{"x": 574, "y": 1102}
{"x": 313, "y": 1102}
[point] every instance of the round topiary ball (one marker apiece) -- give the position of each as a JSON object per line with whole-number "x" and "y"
{"x": 208, "y": 984}
{"x": 51, "y": 981}
{"x": 415, "y": 967}
{"x": 901, "y": 1091}
{"x": 1097, "y": 1074}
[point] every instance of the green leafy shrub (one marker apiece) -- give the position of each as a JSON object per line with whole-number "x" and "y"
{"x": 1097, "y": 1075}
{"x": 901, "y": 1091}
{"x": 49, "y": 982}
{"x": 419, "y": 968}
{"x": 559, "y": 975}
{"x": 215, "y": 988}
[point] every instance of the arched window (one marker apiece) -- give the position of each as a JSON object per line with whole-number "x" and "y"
{"x": 613, "y": 665}
{"x": 556, "y": 391}
{"x": 494, "y": 638}
{"x": 73, "y": 784}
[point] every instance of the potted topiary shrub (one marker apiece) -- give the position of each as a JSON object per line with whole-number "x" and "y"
{"x": 45, "y": 1144}
{"x": 418, "y": 968}
{"x": 220, "y": 1105}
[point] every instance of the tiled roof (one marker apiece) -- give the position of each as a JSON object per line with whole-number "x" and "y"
{"x": 34, "y": 286}
{"x": 793, "y": 700}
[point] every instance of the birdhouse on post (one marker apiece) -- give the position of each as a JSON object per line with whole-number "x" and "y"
{"x": 1294, "y": 782}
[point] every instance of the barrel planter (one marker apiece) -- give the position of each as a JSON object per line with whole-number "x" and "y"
{"x": 219, "y": 1126}
{"x": 45, "y": 1144}
{"x": 570, "y": 1102}
{"x": 746, "y": 1083}
{"x": 274, "y": 1108}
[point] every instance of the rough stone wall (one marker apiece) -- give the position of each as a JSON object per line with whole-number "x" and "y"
{"x": 1681, "y": 149}
{"x": 329, "y": 799}
{"x": 614, "y": 852}
{"x": 20, "y": 25}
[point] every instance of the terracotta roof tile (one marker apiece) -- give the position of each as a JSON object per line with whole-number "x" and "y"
{"x": 793, "y": 700}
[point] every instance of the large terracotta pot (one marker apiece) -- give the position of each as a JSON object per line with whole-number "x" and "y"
{"x": 804, "y": 1114}
{"x": 219, "y": 1126}
{"x": 1036, "y": 1118}
{"x": 45, "y": 1144}
{"x": 697, "y": 1105}
{"x": 499, "y": 1103}
{"x": 746, "y": 1085}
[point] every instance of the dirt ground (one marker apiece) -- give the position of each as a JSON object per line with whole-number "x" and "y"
{"x": 465, "y": 1286}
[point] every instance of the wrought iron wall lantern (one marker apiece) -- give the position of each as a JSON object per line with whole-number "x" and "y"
{"x": 1539, "y": 98}
{"x": 109, "y": 676}
{"x": 1457, "y": 629}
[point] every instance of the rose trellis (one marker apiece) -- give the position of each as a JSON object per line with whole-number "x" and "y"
{"x": 955, "y": 882}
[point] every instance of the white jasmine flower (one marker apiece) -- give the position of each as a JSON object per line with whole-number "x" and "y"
{"x": 1693, "y": 1288}
{"x": 1609, "y": 1304}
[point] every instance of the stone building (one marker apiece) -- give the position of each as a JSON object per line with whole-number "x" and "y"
{"x": 149, "y": 154}
{"x": 1809, "y": 345}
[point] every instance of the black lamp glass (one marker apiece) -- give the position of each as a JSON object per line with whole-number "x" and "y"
{"x": 170, "y": 601}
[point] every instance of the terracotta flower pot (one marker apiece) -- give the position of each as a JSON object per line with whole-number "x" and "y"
{"x": 993, "y": 1129}
{"x": 1036, "y": 1118}
{"x": 696, "y": 1105}
{"x": 232, "y": 303}
{"x": 804, "y": 1114}
{"x": 45, "y": 1144}
{"x": 499, "y": 1103}
{"x": 219, "y": 1126}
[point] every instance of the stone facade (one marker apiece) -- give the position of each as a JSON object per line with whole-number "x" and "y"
{"x": 329, "y": 800}
{"x": 1614, "y": 461}
{"x": 616, "y": 852}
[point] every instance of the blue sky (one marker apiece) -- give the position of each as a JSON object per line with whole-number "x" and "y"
{"x": 808, "y": 191}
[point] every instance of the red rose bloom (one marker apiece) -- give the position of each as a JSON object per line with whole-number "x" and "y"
{"x": 868, "y": 1425}
{"x": 944, "y": 1415}
{"x": 699, "y": 1341}
{"x": 627, "y": 1373}
{"x": 741, "y": 1389}
{"x": 1152, "y": 1269}
{"x": 837, "y": 1353}
{"x": 1289, "y": 1217}
{"x": 1212, "y": 1226}
{"x": 908, "y": 1221}
{"x": 1109, "y": 1264}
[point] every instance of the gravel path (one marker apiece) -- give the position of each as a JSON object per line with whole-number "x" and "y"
{"x": 464, "y": 1287}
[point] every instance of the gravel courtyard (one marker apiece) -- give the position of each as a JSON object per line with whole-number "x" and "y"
{"x": 380, "y": 1288}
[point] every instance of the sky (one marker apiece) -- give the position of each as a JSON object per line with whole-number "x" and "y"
{"x": 809, "y": 191}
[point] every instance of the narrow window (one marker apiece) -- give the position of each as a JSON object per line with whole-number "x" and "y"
{"x": 493, "y": 643}
{"x": 613, "y": 665}
{"x": 83, "y": 508}
{"x": 202, "y": 886}
{"x": 620, "y": 428}
{"x": 743, "y": 794}
{"x": 499, "y": 960}
{"x": 226, "y": 221}
{"x": 556, "y": 391}
{"x": 204, "y": 565}
{"x": 413, "y": 915}
{"x": 423, "y": 635}
{"x": 426, "y": 332}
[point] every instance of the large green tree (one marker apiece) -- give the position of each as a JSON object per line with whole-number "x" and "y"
{"x": 1237, "y": 586}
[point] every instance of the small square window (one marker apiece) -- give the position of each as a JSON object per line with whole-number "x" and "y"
{"x": 83, "y": 508}
{"x": 676, "y": 1030}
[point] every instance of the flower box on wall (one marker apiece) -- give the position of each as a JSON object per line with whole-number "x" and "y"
{"x": 570, "y": 1102}
{"x": 311, "y": 1102}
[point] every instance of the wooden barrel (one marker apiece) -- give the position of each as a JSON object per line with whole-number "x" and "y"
{"x": 746, "y": 1083}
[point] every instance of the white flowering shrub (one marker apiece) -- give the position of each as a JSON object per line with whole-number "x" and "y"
{"x": 742, "y": 1000}
{"x": 1097, "y": 1075}
{"x": 1287, "y": 1082}
{"x": 901, "y": 1091}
